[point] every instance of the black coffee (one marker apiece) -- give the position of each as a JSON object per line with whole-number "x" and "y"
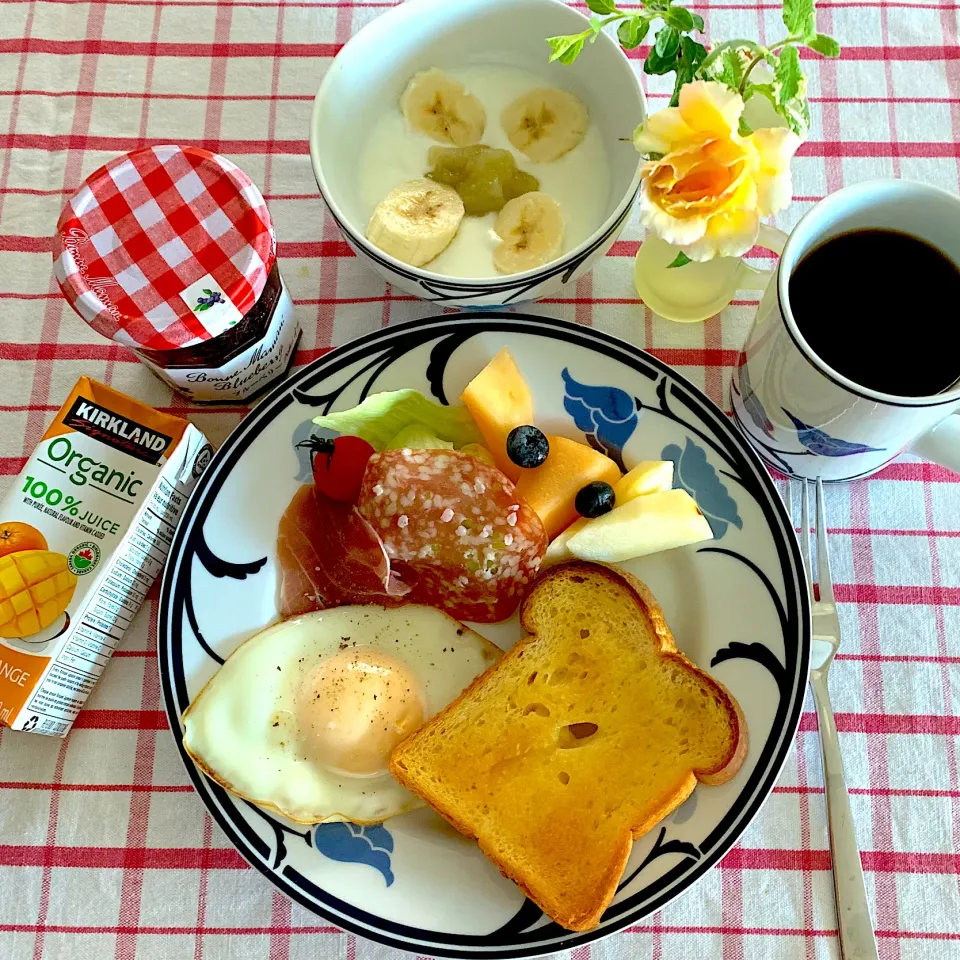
{"x": 883, "y": 309}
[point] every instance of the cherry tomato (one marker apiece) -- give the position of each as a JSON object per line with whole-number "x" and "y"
{"x": 338, "y": 465}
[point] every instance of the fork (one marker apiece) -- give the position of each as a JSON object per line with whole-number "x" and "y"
{"x": 857, "y": 941}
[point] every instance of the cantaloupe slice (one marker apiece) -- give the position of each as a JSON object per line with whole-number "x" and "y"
{"x": 551, "y": 488}
{"x": 499, "y": 400}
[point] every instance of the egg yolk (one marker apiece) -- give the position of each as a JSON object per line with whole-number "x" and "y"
{"x": 355, "y": 707}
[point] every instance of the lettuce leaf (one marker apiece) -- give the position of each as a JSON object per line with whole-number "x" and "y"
{"x": 479, "y": 451}
{"x": 383, "y": 415}
{"x": 418, "y": 436}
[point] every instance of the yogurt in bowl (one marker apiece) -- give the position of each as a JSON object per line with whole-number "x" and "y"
{"x": 363, "y": 147}
{"x": 579, "y": 180}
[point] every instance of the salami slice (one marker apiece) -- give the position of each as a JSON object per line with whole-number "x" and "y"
{"x": 330, "y": 556}
{"x": 455, "y": 531}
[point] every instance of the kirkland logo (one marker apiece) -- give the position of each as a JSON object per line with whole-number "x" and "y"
{"x": 119, "y": 432}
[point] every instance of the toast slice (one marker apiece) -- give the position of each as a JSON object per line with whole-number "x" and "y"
{"x": 584, "y": 736}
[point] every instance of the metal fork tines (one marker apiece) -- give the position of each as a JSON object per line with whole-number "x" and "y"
{"x": 825, "y": 622}
{"x": 857, "y": 941}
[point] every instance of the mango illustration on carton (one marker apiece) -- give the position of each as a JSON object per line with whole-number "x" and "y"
{"x": 35, "y": 588}
{"x": 84, "y": 532}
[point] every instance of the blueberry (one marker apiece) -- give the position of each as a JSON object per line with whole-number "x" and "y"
{"x": 527, "y": 446}
{"x": 595, "y": 499}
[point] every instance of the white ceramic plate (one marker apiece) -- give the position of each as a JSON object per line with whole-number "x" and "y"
{"x": 737, "y": 606}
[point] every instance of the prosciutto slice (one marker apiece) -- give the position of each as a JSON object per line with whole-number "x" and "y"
{"x": 329, "y": 556}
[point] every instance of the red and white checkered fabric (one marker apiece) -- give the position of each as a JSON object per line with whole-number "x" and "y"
{"x": 105, "y": 851}
{"x": 150, "y": 224}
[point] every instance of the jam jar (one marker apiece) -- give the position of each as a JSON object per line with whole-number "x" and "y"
{"x": 171, "y": 252}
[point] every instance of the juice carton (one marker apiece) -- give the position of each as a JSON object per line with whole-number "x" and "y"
{"x": 84, "y": 532}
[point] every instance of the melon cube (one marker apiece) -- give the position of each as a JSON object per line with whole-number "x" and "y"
{"x": 499, "y": 399}
{"x": 552, "y": 487}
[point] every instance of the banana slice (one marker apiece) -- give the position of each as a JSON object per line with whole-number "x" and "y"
{"x": 416, "y": 221}
{"x": 545, "y": 123}
{"x": 440, "y": 107}
{"x": 531, "y": 233}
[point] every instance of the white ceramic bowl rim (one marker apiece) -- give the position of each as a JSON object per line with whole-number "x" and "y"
{"x": 605, "y": 43}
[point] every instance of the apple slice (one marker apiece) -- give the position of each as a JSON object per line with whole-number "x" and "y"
{"x": 557, "y": 549}
{"x": 648, "y": 476}
{"x": 644, "y": 525}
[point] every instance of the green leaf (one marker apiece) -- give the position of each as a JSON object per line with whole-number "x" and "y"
{"x": 691, "y": 55}
{"x": 667, "y": 43}
{"x": 382, "y": 416}
{"x": 744, "y": 128}
{"x": 731, "y": 69}
{"x": 603, "y": 7}
{"x": 209, "y": 293}
{"x": 799, "y": 17}
{"x": 417, "y": 436}
{"x": 698, "y": 22}
{"x": 794, "y": 122}
{"x": 788, "y": 75}
{"x": 790, "y": 87}
{"x": 200, "y": 307}
{"x": 631, "y": 32}
{"x": 679, "y": 18}
{"x": 596, "y": 25}
{"x": 761, "y": 89}
{"x": 656, "y": 65}
{"x": 825, "y": 45}
{"x": 692, "y": 52}
{"x": 680, "y": 260}
{"x": 572, "y": 53}
{"x": 566, "y": 49}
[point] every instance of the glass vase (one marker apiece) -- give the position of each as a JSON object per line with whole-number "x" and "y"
{"x": 695, "y": 291}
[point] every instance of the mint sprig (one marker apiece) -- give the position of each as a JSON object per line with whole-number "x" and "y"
{"x": 673, "y": 50}
{"x": 732, "y": 63}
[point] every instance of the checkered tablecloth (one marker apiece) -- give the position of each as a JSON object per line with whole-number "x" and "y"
{"x": 105, "y": 852}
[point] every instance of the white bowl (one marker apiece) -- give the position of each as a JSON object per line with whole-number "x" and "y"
{"x": 370, "y": 73}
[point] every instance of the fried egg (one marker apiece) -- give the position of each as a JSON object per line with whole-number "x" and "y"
{"x": 302, "y": 717}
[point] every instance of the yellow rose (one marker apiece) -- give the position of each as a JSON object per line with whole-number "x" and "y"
{"x": 708, "y": 191}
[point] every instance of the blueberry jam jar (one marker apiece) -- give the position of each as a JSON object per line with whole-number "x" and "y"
{"x": 171, "y": 251}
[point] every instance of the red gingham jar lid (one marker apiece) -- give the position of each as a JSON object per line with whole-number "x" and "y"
{"x": 152, "y": 229}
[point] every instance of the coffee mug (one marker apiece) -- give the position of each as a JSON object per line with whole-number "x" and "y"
{"x": 803, "y": 417}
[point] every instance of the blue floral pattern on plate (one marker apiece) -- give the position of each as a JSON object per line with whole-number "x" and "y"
{"x": 823, "y": 445}
{"x": 607, "y": 415}
{"x": 694, "y": 473}
{"x": 351, "y": 843}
